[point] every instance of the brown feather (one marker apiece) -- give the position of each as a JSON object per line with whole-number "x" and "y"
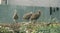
{"x": 35, "y": 16}
{"x": 27, "y": 16}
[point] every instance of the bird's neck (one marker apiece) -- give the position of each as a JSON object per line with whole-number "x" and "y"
{"x": 39, "y": 13}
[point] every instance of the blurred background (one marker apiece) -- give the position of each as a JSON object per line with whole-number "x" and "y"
{"x": 50, "y": 9}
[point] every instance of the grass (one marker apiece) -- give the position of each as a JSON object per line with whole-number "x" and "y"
{"x": 32, "y": 28}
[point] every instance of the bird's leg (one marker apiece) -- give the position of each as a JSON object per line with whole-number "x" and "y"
{"x": 15, "y": 21}
{"x": 34, "y": 21}
{"x": 30, "y": 20}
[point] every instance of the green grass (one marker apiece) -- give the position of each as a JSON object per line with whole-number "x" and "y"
{"x": 35, "y": 28}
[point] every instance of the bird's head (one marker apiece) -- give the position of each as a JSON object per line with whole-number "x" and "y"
{"x": 39, "y": 12}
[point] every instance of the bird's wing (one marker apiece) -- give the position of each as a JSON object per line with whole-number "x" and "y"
{"x": 34, "y": 15}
